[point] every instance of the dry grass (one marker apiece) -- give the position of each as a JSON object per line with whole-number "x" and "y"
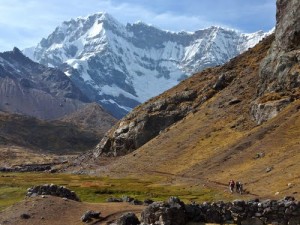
{"x": 219, "y": 141}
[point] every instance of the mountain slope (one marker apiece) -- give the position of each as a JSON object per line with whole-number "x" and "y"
{"x": 242, "y": 123}
{"x": 218, "y": 140}
{"x": 121, "y": 66}
{"x": 92, "y": 118}
{"x": 232, "y": 85}
{"x": 55, "y": 137}
{"x": 32, "y": 89}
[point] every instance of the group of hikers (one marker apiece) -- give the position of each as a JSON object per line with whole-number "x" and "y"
{"x": 237, "y": 185}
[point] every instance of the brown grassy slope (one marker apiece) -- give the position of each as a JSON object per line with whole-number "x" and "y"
{"x": 219, "y": 140}
{"x": 11, "y": 155}
{"x": 92, "y": 118}
{"x": 56, "y": 137}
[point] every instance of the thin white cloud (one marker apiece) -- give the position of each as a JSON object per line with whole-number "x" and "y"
{"x": 24, "y": 23}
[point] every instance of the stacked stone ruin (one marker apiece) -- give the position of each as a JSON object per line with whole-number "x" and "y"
{"x": 52, "y": 189}
{"x": 254, "y": 212}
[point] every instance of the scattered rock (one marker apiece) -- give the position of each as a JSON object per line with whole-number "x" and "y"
{"x": 128, "y": 199}
{"x": 128, "y": 219}
{"x": 234, "y": 101}
{"x": 259, "y": 155}
{"x": 269, "y": 169}
{"x": 113, "y": 199}
{"x": 25, "y": 216}
{"x": 89, "y": 216}
{"x": 221, "y": 83}
{"x": 148, "y": 202}
{"x": 136, "y": 202}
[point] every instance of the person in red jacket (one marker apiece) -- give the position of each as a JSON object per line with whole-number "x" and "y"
{"x": 231, "y": 186}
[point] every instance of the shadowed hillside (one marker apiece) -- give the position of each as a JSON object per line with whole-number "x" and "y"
{"x": 56, "y": 137}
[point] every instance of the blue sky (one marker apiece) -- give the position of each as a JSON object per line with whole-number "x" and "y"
{"x": 23, "y": 23}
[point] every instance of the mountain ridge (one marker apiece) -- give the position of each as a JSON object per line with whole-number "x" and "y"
{"x": 121, "y": 66}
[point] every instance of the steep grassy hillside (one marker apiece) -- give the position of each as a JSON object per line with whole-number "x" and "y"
{"x": 218, "y": 139}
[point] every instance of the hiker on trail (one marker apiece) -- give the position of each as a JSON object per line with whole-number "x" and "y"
{"x": 231, "y": 185}
{"x": 239, "y": 187}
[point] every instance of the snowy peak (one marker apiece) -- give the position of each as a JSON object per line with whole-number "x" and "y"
{"x": 122, "y": 66}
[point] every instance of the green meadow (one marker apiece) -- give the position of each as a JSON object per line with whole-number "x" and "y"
{"x": 13, "y": 187}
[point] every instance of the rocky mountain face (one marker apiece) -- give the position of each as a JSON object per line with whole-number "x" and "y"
{"x": 280, "y": 70}
{"x": 154, "y": 117}
{"x": 32, "y": 89}
{"x": 122, "y": 66}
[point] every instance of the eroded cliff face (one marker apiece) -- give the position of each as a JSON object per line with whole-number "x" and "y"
{"x": 288, "y": 25}
{"x": 279, "y": 71}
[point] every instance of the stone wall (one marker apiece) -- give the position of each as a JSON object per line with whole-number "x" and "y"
{"x": 175, "y": 212}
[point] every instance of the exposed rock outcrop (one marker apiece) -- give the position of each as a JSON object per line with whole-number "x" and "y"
{"x": 135, "y": 130}
{"x": 280, "y": 70}
{"x": 148, "y": 120}
{"x": 262, "y": 112}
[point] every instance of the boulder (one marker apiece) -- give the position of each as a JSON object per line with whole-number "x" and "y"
{"x": 262, "y": 112}
{"x": 128, "y": 219}
{"x": 221, "y": 83}
{"x": 25, "y": 216}
{"x": 113, "y": 199}
{"x": 171, "y": 212}
{"x": 89, "y": 216}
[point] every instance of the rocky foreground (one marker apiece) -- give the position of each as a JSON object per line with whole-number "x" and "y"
{"x": 175, "y": 212}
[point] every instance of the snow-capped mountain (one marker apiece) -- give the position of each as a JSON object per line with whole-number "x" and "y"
{"x": 122, "y": 66}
